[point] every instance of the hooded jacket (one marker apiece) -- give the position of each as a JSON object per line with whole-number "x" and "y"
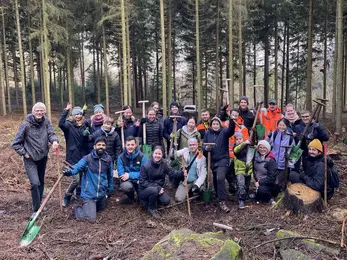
{"x": 76, "y": 142}
{"x": 220, "y": 152}
{"x": 33, "y": 137}
{"x": 183, "y": 137}
{"x": 153, "y": 174}
{"x": 113, "y": 142}
{"x": 130, "y": 129}
{"x": 277, "y": 140}
{"x": 169, "y": 123}
{"x": 130, "y": 163}
{"x": 247, "y": 117}
{"x": 200, "y": 165}
{"x": 314, "y": 175}
{"x": 98, "y": 177}
{"x": 265, "y": 169}
{"x": 270, "y": 119}
{"x": 240, "y": 160}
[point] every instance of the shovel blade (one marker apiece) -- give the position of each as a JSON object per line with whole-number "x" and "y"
{"x": 147, "y": 150}
{"x": 29, "y": 234}
{"x": 295, "y": 154}
{"x": 207, "y": 195}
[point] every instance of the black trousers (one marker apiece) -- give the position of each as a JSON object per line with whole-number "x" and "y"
{"x": 219, "y": 174}
{"x": 36, "y": 174}
{"x": 265, "y": 193}
{"x": 149, "y": 198}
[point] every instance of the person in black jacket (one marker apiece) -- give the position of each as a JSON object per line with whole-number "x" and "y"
{"x": 315, "y": 131}
{"x": 31, "y": 142}
{"x": 219, "y": 155}
{"x": 129, "y": 123}
{"x": 245, "y": 113}
{"x": 94, "y": 123}
{"x": 113, "y": 142}
{"x": 76, "y": 145}
{"x": 154, "y": 130}
{"x": 152, "y": 179}
{"x": 313, "y": 176}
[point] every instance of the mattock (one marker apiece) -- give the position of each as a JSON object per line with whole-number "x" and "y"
{"x": 174, "y": 141}
{"x": 143, "y": 102}
{"x": 322, "y": 103}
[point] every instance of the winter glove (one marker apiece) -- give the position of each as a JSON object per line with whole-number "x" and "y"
{"x": 248, "y": 142}
{"x": 172, "y": 135}
{"x": 310, "y": 137}
{"x": 269, "y": 134}
{"x": 84, "y": 108}
{"x": 143, "y": 120}
{"x": 66, "y": 170}
{"x": 195, "y": 189}
{"x": 86, "y": 132}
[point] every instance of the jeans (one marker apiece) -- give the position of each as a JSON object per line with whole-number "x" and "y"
{"x": 150, "y": 197}
{"x": 89, "y": 208}
{"x": 74, "y": 184}
{"x": 36, "y": 174}
{"x": 243, "y": 183}
{"x": 180, "y": 194}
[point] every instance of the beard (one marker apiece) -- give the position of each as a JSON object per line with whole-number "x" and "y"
{"x": 100, "y": 151}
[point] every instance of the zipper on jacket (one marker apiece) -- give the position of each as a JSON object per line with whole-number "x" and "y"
{"x": 97, "y": 191}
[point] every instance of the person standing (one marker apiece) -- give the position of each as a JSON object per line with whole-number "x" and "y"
{"x": 245, "y": 113}
{"x": 269, "y": 117}
{"x": 31, "y": 141}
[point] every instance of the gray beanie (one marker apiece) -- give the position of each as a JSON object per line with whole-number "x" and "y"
{"x": 265, "y": 143}
{"x": 76, "y": 111}
{"x": 37, "y": 106}
{"x": 216, "y": 119}
{"x": 244, "y": 98}
{"x": 238, "y": 134}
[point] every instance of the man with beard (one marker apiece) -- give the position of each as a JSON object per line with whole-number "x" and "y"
{"x": 204, "y": 123}
{"x": 31, "y": 142}
{"x": 97, "y": 182}
{"x": 76, "y": 145}
{"x": 245, "y": 113}
{"x": 269, "y": 117}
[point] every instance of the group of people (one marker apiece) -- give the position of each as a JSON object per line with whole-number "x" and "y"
{"x": 97, "y": 146}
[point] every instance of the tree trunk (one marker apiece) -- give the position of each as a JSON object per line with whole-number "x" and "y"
{"x": 283, "y": 66}
{"x": 130, "y": 87}
{"x": 163, "y": 58}
{"x": 2, "y": 87}
{"x": 266, "y": 66}
{"x": 339, "y": 67}
{"x": 174, "y": 66}
{"x": 276, "y": 55}
{"x": 198, "y": 62}
{"x": 69, "y": 76}
{"x": 255, "y": 73}
{"x": 157, "y": 63}
{"x": 32, "y": 75}
{"x": 169, "y": 52}
{"x": 83, "y": 78}
{"x": 206, "y": 82}
{"x": 288, "y": 99}
{"x": 217, "y": 61}
{"x": 107, "y": 101}
{"x": 124, "y": 56}
{"x": 230, "y": 62}
{"x": 297, "y": 78}
{"x": 98, "y": 85}
{"x": 94, "y": 69}
{"x": 15, "y": 74}
{"x": 325, "y": 59}
{"x": 193, "y": 81}
{"x": 21, "y": 60}
{"x": 239, "y": 20}
{"x": 61, "y": 86}
{"x": 9, "y": 103}
{"x": 46, "y": 59}
{"x": 309, "y": 59}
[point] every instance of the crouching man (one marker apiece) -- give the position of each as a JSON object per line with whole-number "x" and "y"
{"x": 97, "y": 182}
{"x": 196, "y": 162}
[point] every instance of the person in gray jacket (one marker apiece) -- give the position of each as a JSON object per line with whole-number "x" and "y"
{"x": 31, "y": 142}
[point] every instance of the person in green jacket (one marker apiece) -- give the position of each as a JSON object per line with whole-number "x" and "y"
{"x": 243, "y": 171}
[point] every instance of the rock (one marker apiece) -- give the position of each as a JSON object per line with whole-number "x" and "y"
{"x": 339, "y": 214}
{"x": 300, "y": 198}
{"x": 291, "y": 254}
{"x": 308, "y": 243}
{"x": 186, "y": 244}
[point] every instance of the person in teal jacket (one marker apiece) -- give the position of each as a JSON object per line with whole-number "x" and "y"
{"x": 128, "y": 165}
{"x": 97, "y": 182}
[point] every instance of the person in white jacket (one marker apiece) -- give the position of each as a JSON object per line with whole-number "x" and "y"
{"x": 197, "y": 172}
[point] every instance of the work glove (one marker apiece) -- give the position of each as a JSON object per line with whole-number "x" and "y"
{"x": 310, "y": 137}
{"x": 172, "y": 135}
{"x": 248, "y": 142}
{"x": 195, "y": 189}
{"x": 66, "y": 170}
{"x": 86, "y": 132}
{"x": 143, "y": 120}
{"x": 208, "y": 148}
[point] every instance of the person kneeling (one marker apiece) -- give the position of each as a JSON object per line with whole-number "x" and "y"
{"x": 152, "y": 179}
{"x": 313, "y": 176}
{"x": 196, "y": 163}
{"x": 97, "y": 182}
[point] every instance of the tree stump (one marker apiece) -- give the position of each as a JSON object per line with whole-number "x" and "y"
{"x": 300, "y": 198}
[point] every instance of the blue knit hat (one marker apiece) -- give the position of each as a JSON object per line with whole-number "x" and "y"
{"x": 76, "y": 111}
{"x": 98, "y": 107}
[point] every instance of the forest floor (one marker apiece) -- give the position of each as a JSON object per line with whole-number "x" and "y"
{"x": 127, "y": 232}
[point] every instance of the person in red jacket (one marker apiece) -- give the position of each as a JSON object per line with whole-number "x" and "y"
{"x": 269, "y": 117}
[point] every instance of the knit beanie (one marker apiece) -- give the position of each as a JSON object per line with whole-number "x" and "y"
{"x": 315, "y": 143}
{"x": 265, "y": 143}
{"x": 174, "y": 103}
{"x": 238, "y": 134}
{"x": 98, "y": 107}
{"x": 216, "y": 119}
{"x": 244, "y": 98}
{"x": 37, "y": 106}
{"x": 272, "y": 100}
{"x": 100, "y": 139}
{"x": 76, "y": 111}
{"x": 285, "y": 121}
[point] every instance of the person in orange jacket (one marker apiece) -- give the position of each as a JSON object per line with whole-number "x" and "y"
{"x": 269, "y": 117}
{"x": 204, "y": 123}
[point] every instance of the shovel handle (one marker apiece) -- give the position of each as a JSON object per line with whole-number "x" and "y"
{"x": 68, "y": 164}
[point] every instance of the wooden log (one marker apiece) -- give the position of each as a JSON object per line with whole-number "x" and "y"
{"x": 301, "y": 199}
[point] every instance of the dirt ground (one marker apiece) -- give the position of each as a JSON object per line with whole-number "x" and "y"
{"x": 127, "y": 232}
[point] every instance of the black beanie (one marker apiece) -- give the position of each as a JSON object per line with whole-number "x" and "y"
{"x": 174, "y": 103}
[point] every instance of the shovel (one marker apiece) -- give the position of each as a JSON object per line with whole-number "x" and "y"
{"x": 207, "y": 194}
{"x": 31, "y": 230}
{"x": 146, "y": 148}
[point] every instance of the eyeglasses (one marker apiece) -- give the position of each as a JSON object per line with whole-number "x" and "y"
{"x": 305, "y": 116}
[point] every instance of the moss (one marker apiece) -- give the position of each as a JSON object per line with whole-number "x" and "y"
{"x": 230, "y": 250}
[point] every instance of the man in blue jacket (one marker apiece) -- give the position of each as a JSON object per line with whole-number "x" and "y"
{"x": 128, "y": 165}
{"x": 97, "y": 182}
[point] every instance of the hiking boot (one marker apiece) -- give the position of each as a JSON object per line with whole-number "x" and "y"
{"x": 78, "y": 193}
{"x": 126, "y": 201}
{"x": 252, "y": 196}
{"x": 154, "y": 213}
{"x": 66, "y": 200}
{"x": 224, "y": 207}
{"x": 241, "y": 204}
{"x": 272, "y": 202}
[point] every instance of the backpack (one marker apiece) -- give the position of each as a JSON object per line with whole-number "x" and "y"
{"x": 334, "y": 177}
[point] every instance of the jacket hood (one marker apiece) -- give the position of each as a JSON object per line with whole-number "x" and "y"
{"x": 108, "y": 133}
{"x": 131, "y": 156}
{"x": 95, "y": 156}
{"x": 31, "y": 119}
{"x": 185, "y": 129}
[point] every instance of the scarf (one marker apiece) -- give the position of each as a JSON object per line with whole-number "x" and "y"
{"x": 293, "y": 118}
{"x": 97, "y": 120}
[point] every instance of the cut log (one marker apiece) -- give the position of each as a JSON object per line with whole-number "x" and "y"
{"x": 301, "y": 199}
